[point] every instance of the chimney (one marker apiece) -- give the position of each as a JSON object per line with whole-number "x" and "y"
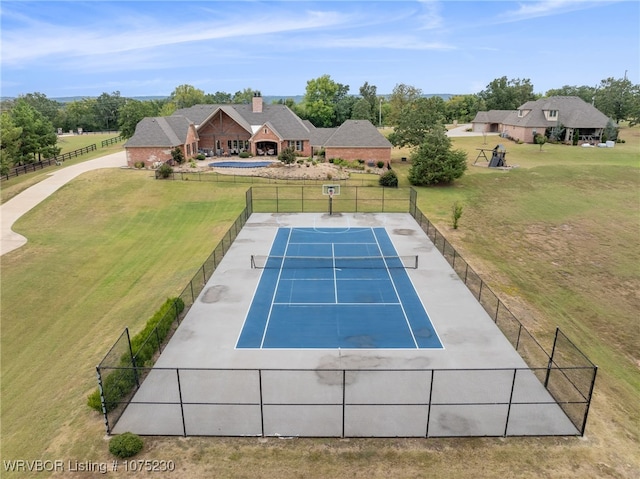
{"x": 257, "y": 102}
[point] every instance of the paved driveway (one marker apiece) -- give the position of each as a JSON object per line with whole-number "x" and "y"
{"x": 17, "y": 206}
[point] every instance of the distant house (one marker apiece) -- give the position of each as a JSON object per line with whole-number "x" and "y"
{"x": 579, "y": 119}
{"x": 259, "y": 129}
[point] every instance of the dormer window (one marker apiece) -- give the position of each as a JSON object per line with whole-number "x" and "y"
{"x": 553, "y": 113}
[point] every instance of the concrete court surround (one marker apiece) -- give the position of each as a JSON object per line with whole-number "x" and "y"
{"x": 340, "y": 392}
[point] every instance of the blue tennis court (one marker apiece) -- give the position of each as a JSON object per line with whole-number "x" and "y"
{"x": 331, "y": 288}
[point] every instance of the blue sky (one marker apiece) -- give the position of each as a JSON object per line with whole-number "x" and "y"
{"x": 85, "y": 48}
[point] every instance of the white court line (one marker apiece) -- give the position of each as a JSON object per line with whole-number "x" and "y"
{"x": 275, "y": 291}
{"x": 406, "y": 318}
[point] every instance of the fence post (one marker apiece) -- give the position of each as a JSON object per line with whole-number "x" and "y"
{"x": 344, "y": 394}
{"x": 184, "y": 424}
{"x": 550, "y": 364}
{"x": 513, "y": 383}
{"x": 175, "y": 305}
{"x": 433, "y": 372}
{"x": 497, "y": 306}
{"x": 590, "y": 396}
{"x": 103, "y": 402}
{"x": 133, "y": 359}
{"x": 261, "y": 402}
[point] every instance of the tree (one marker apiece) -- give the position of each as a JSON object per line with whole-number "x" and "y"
{"x": 503, "y": 94}
{"x": 132, "y": 111}
{"x": 435, "y": 162}
{"x": 463, "y": 108}
{"x": 540, "y": 140}
{"x": 326, "y": 103}
{"x": 361, "y": 110}
{"x": 50, "y": 109}
{"x": 401, "y": 96}
{"x": 107, "y": 109}
{"x": 616, "y": 98}
{"x": 9, "y": 142}
{"x": 81, "y": 114}
{"x": 416, "y": 120}
{"x": 584, "y": 92}
{"x": 185, "y": 96}
{"x": 37, "y": 138}
{"x": 218, "y": 98}
{"x": 369, "y": 94}
{"x": 245, "y": 96}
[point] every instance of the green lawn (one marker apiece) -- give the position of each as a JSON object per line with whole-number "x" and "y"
{"x": 16, "y": 185}
{"x": 556, "y": 238}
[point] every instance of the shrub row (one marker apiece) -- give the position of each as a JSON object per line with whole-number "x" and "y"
{"x": 117, "y": 383}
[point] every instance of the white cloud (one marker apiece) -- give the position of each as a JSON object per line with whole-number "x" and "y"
{"x": 40, "y": 40}
{"x": 536, "y": 9}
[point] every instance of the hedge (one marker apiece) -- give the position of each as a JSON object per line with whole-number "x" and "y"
{"x": 119, "y": 382}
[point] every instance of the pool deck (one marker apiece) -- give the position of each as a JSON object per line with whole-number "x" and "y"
{"x": 221, "y": 390}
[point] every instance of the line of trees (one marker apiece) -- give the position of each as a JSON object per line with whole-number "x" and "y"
{"x": 30, "y": 121}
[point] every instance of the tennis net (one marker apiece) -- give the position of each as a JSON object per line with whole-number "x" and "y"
{"x": 334, "y": 262}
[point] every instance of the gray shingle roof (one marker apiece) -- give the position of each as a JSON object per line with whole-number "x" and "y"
{"x": 357, "y": 133}
{"x": 166, "y": 131}
{"x": 280, "y": 117}
{"x": 172, "y": 130}
{"x": 573, "y": 112}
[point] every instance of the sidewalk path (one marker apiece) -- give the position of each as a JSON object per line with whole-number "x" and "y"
{"x": 17, "y": 206}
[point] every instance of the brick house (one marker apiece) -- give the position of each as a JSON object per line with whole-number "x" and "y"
{"x": 154, "y": 139}
{"x": 261, "y": 130}
{"x": 577, "y": 117}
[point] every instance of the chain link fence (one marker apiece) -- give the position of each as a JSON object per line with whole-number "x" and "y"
{"x": 566, "y": 374}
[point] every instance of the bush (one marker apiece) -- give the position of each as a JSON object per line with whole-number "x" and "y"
{"x": 244, "y": 154}
{"x": 117, "y": 383}
{"x": 389, "y": 179}
{"x": 287, "y": 156}
{"x": 177, "y": 155}
{"x": 125, "y": 445}
{"x": 139, "y": 164}
{"x": 380, "y": 164}
{"x": 165, "y": 171}
{"x": 201, "y": 156}
{"x": 456, "y": 213}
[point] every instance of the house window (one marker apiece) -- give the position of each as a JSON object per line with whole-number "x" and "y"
{"x": 553, "y": 113}
{"x": 520, "y": 114}
{"x": 188, "y": 149}
{"x": 266, "y": 131}
{"x": 295, "y": 144}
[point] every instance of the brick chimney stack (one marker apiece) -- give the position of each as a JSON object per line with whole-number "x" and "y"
{"x": 257, "y": 102}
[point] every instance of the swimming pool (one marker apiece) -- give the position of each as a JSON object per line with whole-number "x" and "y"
{"x": 240, "y": 164}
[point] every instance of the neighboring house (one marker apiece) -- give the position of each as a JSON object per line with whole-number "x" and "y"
{"x": 580, "y": 120}
{"x": 261, "y": 130}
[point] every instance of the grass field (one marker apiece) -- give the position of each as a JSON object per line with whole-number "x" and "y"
{"x": 14, "y": 186}
{"x": 556, "y": 238}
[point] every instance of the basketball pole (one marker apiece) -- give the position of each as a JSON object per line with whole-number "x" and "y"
{"x": 330, "y": 204}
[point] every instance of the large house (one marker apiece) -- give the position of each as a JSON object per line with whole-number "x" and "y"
{"x": 580, "y": 120}
{"x": 259, "y": 129}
